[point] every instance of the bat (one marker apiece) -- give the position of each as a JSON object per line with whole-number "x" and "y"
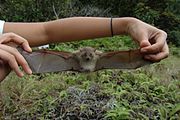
{"x": 84, "y": 60}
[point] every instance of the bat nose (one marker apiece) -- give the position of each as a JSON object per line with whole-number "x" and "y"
{"x": 87, "y": 59}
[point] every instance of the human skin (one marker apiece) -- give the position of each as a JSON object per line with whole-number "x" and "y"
{"x": 152, "y": 41}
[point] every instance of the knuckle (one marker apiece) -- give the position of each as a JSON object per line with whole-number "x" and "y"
{"x": 11, "y": 59}
{"x": 15, "y": 51}
{"x": 11, "y": 35}
{"x": 25, "y": 41}
{"x": 163, "y": 33}
{"x": 10, "y": 56}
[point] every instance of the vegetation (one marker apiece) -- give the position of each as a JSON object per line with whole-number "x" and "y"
{"x": 151, "y": 92}
{"x": 161, "y": 13}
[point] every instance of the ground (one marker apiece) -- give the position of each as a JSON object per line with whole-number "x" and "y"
{"x": 150, "y": 92}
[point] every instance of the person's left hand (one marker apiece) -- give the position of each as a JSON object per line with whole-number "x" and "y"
{"x": 10, "y": 58}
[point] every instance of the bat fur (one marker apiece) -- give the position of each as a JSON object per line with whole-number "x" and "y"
{"x": 87, "y": 58}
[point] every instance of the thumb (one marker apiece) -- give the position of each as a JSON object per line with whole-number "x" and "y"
{"x": 144, "y": 44}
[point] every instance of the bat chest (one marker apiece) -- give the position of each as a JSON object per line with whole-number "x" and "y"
{"x": 88, "y": 66}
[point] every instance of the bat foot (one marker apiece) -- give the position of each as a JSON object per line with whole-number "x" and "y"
{"x": 85, "y": 70}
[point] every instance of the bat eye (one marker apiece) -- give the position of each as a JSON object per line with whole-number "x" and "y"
{"x": 90, "y": 55}
{"x": 83, "y": 55}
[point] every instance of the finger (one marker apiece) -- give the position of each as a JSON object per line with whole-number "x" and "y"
{"x": 143, "y": 45}
{"x": 143, "y": 41}
{"x": 157, "y": 57}
{"x": 26, "y": 46}
{"x": 11, "y": 37}
{"x": 10, "y": 59}
{"x": 19, "y": 58}
{"x": 160, "y": 55}
{"x": 160, "y": 40}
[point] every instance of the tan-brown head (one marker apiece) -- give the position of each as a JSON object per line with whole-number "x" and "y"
{"x": 87, "y": 53}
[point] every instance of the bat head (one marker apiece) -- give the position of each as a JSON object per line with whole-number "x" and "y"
{"x": 87, "y": 53}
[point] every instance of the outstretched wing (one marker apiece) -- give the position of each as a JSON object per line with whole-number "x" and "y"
{"x": 42, "y": 61}
{"x": 131, "y": 59}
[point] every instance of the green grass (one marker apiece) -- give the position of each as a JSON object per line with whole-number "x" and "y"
{"x": 151, "y": 92}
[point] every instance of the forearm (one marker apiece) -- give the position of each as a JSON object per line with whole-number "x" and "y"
{"x": 68, "y": 29}
{"x": 80, "y": 28}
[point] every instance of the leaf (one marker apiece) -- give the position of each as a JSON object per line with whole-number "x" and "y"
{"x": 175, "y": 110}
{"x": 144, "y": 117}
{"x": 163, "y": 112}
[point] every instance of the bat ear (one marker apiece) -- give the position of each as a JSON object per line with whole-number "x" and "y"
{"x": 81, "y": 49}
{"x": 94, "y": 49}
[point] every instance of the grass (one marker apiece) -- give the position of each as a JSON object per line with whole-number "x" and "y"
{"x": 151, "y": 92}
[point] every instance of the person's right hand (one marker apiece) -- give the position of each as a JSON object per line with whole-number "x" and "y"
{"x": 10, "y": 58}
{"x": 152, "y": 41}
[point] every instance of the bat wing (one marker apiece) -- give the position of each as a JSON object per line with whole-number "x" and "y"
{"x": 131, "y": 59}
{"x": 42, "y": 61}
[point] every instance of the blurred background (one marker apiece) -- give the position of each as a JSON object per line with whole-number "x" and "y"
{"x": 164, "y": 14}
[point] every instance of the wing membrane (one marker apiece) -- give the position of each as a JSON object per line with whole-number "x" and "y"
{"x": 131, "y": 59}
{"x": 50, "y": 61}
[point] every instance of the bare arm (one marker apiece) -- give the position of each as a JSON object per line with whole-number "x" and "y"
{"x": 68, "y": 29}
{"x": 152, "y": 41}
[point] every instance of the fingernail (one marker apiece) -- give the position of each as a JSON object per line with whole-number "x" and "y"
{"x": 29, "y": 71}
{"x": 143, "y": 50}
{"x": 29, "y": 49}
{"x": 21, "y": 75}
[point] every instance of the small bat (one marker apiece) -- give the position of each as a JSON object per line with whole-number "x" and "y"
{"x": 87, "y": 58}
{"x": 84, "y": 60}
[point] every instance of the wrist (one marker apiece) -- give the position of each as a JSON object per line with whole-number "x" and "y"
{"x": 121, "y": 26}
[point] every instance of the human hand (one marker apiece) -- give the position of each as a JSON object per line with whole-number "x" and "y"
{"x": 10, "y": 58}
{"x": 152, "y": 41}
